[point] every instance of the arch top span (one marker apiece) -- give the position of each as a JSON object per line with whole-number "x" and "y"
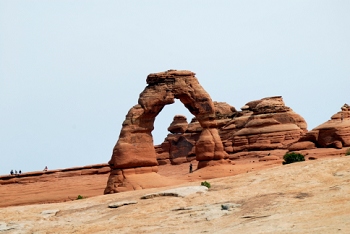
{"x": 167, "y": 76}
{"x": 164, "y": 87}
{"x": 135, "y": 145}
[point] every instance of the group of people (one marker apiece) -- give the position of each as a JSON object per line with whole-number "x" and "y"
{"x": 15, "y": 172}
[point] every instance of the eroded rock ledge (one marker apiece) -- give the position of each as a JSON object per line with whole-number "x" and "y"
{"x": 38, "y": 176}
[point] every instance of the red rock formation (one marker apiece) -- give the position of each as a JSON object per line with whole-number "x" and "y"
{"x": 301, "y": 146}
{"x": 180, "y": 146}
{"x": 135, "y": 149}
{"x": 264, "y": 124}
{"x": 40, "y": 176}
{"x": 333, "y": 133}
{"x": 179, "y": 124}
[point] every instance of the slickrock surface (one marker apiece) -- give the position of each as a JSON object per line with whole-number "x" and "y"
{"x": 53, "y": 185}
{"x": 304, "y": 197}
{"x": 51, "y": 189}
{"x": 177, "y": 192}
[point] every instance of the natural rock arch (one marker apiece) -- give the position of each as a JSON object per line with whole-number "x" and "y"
{"x": 134, "y": 151}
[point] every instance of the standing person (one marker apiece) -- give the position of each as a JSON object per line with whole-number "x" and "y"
{"x": 20, "y": 172}
{"x": 45, "y": 169}
{"x": 191, "y": 167}
{"x": 11, "y": 172}
{"x": 15, "y": 172}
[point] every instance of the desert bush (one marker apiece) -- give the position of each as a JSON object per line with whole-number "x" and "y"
{"x": 80, "y": 197}
{"x": 293, "y": 157}
{"x": 206, "y": 184}
{"x": 347, "y": 153}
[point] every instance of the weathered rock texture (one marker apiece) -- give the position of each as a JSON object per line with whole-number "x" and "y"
{"x": 179, "y": 125}
{"x": 265, "y": 124}
{"x": 134, "y": 151}
{"x": 180, "y": 147}
{"x": 333, "y": 133}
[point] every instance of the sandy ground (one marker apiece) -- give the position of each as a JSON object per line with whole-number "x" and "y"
{"x": 304, "y": 197}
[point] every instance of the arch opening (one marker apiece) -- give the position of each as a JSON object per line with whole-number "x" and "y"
{"x": 135, "y": 147}
{"x": 166, "y": 117}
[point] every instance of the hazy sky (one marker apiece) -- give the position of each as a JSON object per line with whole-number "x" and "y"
{"x": 71, "y": 70}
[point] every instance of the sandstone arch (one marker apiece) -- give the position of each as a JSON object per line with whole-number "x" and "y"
{"x": 134, "y": 151}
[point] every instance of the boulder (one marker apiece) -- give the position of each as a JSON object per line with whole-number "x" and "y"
{"x": 179, "y": 124}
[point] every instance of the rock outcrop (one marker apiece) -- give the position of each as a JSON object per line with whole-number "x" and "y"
{"x": 334, "y": 133}
{"x": 265, "y": 124}
{"x": 134, "y": 152}
{"x": 42, "y": 176}
{"x": 218, "y": 131}
{"x": 180, "y": 146}
{"x": 179, "y": 124}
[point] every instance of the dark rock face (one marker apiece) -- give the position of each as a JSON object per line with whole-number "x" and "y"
{"x": 180, "y": 147}
{"x": 135, "y": 148}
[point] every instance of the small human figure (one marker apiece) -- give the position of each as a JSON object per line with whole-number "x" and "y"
{"x": 190, "y": 167}
{"x": 45, "y": 169}
{"x": 11, "y": 172}
{"x": 20, "y": 172}
{"x": 15, "y": 172}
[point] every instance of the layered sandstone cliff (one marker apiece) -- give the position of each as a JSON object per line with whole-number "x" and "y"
{"x": 264, "y": 124}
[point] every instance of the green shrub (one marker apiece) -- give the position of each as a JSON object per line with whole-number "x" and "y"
{"x": 347, "y": 153}
{"x": 80, "y": 197}
{"x": 206, "y": 184}
{"x": 293, "y": 157}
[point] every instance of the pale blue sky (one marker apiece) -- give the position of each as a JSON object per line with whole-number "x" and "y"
{"x": 71, "y": 70}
